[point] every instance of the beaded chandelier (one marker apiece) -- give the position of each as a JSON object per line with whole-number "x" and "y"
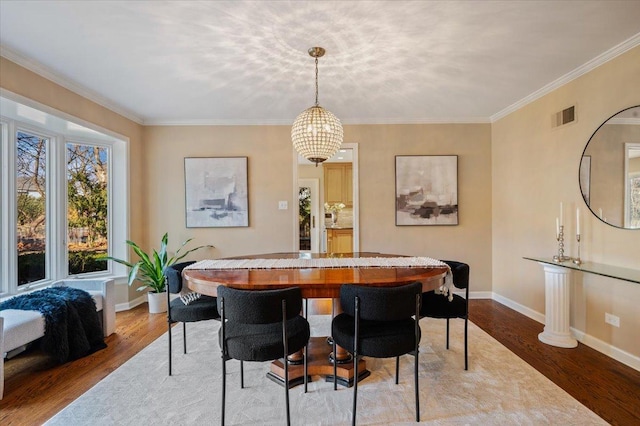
{"x": 317, "y": 133}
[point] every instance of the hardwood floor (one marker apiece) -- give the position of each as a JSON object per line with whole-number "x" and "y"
{"x": 607, "y": 387}
{"x": 35, "y": 390}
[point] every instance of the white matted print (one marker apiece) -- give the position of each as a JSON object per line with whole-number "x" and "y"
{"x": 216, "y": 192}
{"x": 426, "y": 190}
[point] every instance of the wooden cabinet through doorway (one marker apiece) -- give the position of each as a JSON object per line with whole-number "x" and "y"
{"x": 338, "y": 183}
{"x": 339, "y": 240}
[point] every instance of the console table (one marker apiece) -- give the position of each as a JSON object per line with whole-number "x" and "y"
{"x": 556, "y": 329}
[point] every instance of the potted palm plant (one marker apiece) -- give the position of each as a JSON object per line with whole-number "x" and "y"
{"x": 150, "y": 268}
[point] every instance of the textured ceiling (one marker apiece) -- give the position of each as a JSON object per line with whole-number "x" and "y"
{"x": 238, "y": 62}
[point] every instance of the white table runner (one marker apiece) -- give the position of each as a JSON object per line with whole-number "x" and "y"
{"x": 327, "y": 262}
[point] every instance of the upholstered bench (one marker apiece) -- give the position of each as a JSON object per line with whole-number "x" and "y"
{"x": 18, "y": 328}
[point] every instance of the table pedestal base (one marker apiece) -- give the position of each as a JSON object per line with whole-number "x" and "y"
{"x": 318, "y": 364}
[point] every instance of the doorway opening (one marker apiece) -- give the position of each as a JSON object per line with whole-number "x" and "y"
{"x": 310, "y": 223}
{"x": 308, "y": 212}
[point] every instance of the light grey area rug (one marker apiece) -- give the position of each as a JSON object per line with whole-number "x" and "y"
{"x": 498, "y": 389}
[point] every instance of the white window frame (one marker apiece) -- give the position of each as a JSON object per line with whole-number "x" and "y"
{"x": 56, "y": 216}
{"x": 51, "y": 187}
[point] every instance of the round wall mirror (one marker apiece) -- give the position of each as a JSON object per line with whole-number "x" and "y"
{"x": 610, "y": 170}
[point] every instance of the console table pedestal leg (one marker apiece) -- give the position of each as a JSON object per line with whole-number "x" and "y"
{"x": 557, "y": 296}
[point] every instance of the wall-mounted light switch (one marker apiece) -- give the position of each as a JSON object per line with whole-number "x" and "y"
{"x": 283, "y": 205}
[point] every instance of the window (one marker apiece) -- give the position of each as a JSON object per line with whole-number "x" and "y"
{"x": 59, "y": 214}
{"x": 87, "y": 207}
{"x": 31, "y": 202}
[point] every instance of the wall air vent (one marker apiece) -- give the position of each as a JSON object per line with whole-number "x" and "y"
{"x": 565, "y": 116}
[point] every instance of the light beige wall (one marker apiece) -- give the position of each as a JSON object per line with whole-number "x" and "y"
{"x": 535, "y": 167}
{"x": 470, "y": 241}
{"x": 311, "y": 172}
{"x": 21, "y": 81}
{"x": 271, "y": 179}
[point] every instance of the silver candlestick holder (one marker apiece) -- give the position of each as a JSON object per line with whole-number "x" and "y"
{"x": 577, "y": 260}
{"x": 560, "y": 257}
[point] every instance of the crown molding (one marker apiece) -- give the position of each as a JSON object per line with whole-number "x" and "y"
{"x": 354, "y": 121}
{"x": 218, "y": 122}
{"x": 85, "y": 92}
{"x": 443, "y": 120}
{"x": 581, "y": 70}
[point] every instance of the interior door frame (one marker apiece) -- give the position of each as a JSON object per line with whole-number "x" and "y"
{"x": 356, "y": 199}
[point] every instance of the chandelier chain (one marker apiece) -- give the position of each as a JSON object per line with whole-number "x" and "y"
{"x": 316, "y": 81}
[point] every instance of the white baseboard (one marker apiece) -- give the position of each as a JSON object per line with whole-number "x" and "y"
{"x": 477, "y": 294}
{"x": 534, "y": 315}
{"x": 131, "y": 304}
{"x": 618, "y": 354}
{"x": 586, "y": 339}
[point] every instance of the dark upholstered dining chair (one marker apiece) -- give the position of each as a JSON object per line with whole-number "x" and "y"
{"x": 379, "y": 322}
{"x": 261, "y": 326}
{"x": 438, "y": 305}
{"x": 200, "y": 309}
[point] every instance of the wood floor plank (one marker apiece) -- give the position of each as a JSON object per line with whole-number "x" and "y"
{"x": 35, "y": 389}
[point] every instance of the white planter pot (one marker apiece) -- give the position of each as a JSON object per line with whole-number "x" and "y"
{"x": 157, "y": 302}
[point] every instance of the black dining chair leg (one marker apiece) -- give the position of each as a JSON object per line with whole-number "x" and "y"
{"x": 355, "y": 361}
{"x": 415, "y": 372}
{"x": 306, "y": 348}
{"x": 447, "y": 333}
{"x": 335, "y": 366}
{"x": 417, "y": 351}
{"x": 466, "y": 357}
{"x": 168, "y": 321}
{"x": 224, "y": 363}
{"x": 169, "y": 334}
{"x": 241, "y": 374}
{"x": 286, "y": 361}
{"x": 184, "y": 336}
{"x": 397, "y": 369}
{"x": 224, "y": 387}
{"x": 304, "y": 360}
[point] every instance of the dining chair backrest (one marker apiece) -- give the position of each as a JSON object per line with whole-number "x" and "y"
{"x": 382, "y": 303}
{"x": 257, "y": 307}
{"x": 460, "y": 273}
{"x": 174, "y": 276}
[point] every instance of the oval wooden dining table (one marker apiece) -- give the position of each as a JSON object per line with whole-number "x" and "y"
{"x": 314, "y": 283}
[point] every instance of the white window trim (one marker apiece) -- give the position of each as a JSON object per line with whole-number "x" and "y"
{"x": 118, "y": 214}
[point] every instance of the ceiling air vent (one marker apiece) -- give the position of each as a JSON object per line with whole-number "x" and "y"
{"x": 565, "y": 116}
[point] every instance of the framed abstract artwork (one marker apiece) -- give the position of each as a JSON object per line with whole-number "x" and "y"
{"x": 426, "y": 190}
{"x": 216, "y": 192}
